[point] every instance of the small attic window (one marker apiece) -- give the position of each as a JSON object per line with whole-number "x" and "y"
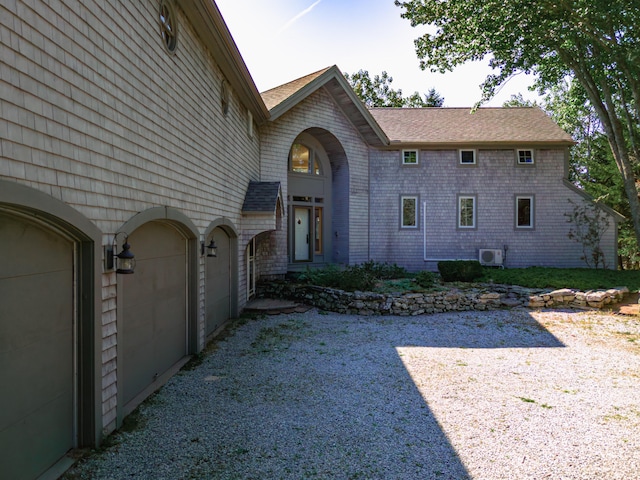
{"x": 168, "y": 25}
{"x": 224, "y": 97}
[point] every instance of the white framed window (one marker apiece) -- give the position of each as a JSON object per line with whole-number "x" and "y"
{"x": 466, "y": 211}
{"x": 525, "y": 156}
{"x": 410, "y": 157}
{"x": 524, "y": 211}
{"x": 467, "y": 157}
{"x": 409, "y": 211}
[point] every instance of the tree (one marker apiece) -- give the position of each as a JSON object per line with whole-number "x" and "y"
{"x": 597, "y": 42}
{"x": 592, "y": 166}
{"x": 377, "y": 92}
{"x": 519, "y": 101}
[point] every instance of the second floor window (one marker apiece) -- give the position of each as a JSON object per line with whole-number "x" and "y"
{"x": 303, "y": 160}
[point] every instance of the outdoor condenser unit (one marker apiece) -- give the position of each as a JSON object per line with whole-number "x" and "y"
{"x": 491, "y": 257}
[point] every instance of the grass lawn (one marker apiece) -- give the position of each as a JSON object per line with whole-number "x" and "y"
{"x": 578, "y": 278}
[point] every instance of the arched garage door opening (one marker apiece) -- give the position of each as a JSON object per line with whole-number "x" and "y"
{"x": 221, "y": 278}
{"x": 155, "y": 308}
{"x": 46, "y": 338}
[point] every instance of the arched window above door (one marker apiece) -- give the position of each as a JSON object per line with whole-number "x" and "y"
{"x": 302, "y": 159}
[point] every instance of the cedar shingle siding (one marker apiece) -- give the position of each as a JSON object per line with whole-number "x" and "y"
{"x": 103, "y": 131}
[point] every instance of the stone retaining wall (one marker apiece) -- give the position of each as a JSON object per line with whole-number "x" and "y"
{"x": 481, "y": 297}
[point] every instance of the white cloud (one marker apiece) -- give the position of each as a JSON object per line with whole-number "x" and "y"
{"x": 298, "y": 16}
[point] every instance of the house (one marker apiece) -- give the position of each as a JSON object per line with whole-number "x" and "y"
{"x": 136, "y": 127}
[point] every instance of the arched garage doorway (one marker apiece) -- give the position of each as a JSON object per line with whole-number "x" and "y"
{"x": 221, "y": 277}
{"x": 155, "y": 307}
{"x": 47, "y": 345}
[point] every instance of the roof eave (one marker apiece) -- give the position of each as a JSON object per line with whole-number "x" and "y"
{"x": 394, "y": 144}
{"x": 213, "y": 31}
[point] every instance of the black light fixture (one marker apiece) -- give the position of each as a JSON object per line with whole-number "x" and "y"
{"x": 212, "y": 249}
{"x": 126, "y": 262}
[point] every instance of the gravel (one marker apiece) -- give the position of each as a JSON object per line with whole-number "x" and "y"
{"x": 470, "y": 395}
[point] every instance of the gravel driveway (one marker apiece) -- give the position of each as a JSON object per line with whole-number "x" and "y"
{"x": 490, "y": 395}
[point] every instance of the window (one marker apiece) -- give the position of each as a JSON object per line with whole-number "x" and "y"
{"x": 168, "y": 26}
{"x": 525, "y": 157}
{"x": 303, "y": 160}
{"x": 250, "y": 124}
{"x": 409, "y": 212}
{"x": 409, "y": 157}
{"x": 467, "y": 157}
{"x": 318, "y": 227}
{"x": 524, "y": 211}
{"x": 466, "y": 211}
{"x": 224, "y": 97}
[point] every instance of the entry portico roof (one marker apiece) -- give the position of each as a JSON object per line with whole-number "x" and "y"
{"x": 280, "y": 100}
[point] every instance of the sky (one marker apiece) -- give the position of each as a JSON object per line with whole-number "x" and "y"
{"x": 281, "y": 40}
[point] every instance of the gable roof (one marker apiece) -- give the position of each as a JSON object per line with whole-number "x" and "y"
{"x": 459, "y": 126}
{"x": 281, "y": 99}
{"x": 262, "y": 197}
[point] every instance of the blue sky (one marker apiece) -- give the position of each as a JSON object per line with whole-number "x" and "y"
{"x": 281, "y": 40}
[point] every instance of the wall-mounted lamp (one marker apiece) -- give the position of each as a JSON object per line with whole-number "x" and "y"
{"x": 124, "y": 261}
{"x": 212, "y": 249}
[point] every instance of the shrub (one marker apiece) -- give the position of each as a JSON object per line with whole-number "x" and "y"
{"x": 349, "y": 278}
{"x": 425, "y": 279}
{"x": 383, "y": 271}
{"x": 460, "y": 270}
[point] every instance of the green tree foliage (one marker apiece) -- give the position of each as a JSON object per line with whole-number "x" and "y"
{"x": 377, "y": 92}
{"x": 592, "y": 166}
{"x": 597, "y": 42}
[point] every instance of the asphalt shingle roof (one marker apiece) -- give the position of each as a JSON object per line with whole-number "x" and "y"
{"x": 277, "y": 95}
{"x": 525, "y": 125}
{"x": 261, "y": 197}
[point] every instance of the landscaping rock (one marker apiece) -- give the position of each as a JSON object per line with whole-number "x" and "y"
{"x": 486, "y": 297}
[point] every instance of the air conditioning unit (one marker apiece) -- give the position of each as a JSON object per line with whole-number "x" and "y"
{"x": 491, "y": 257}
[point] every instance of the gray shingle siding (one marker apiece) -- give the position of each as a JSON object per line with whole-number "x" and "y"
{"x": 494, "y": 181}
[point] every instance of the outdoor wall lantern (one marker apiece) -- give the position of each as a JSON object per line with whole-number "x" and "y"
{"x": 212, "y": 249}
{"x": 125, "y": 261}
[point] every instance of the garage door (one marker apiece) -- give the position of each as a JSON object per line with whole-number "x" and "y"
{"x": 154, "y": 307}
{"x": 36, "y": 347}
{"x": 218, "y": 282}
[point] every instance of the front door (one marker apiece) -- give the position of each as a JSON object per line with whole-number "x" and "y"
{"x": 301, "y": 217}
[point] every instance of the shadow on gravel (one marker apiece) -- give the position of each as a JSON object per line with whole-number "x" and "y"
{"x": 310, "y": 397}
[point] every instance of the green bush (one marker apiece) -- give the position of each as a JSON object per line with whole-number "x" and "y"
{"x": 383, "y": 271}
{"x": 349, "y": 278}
{"x": 425, "y": 279}
{"x": 460, "y": 270}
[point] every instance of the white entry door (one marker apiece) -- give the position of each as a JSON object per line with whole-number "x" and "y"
{"x": 301, "y": 219}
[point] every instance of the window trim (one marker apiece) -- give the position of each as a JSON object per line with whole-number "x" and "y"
{"x": 525, "y": 164}
{"x": 468, "y": 164}
{"x": 314, "y": 161}
{"x": 416, "y": 198}
{"x": 532, "y": 212}
{"x": 409, "y": 150}
{"x": 167, "y": 15}
{"x": 474, "y": 225}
